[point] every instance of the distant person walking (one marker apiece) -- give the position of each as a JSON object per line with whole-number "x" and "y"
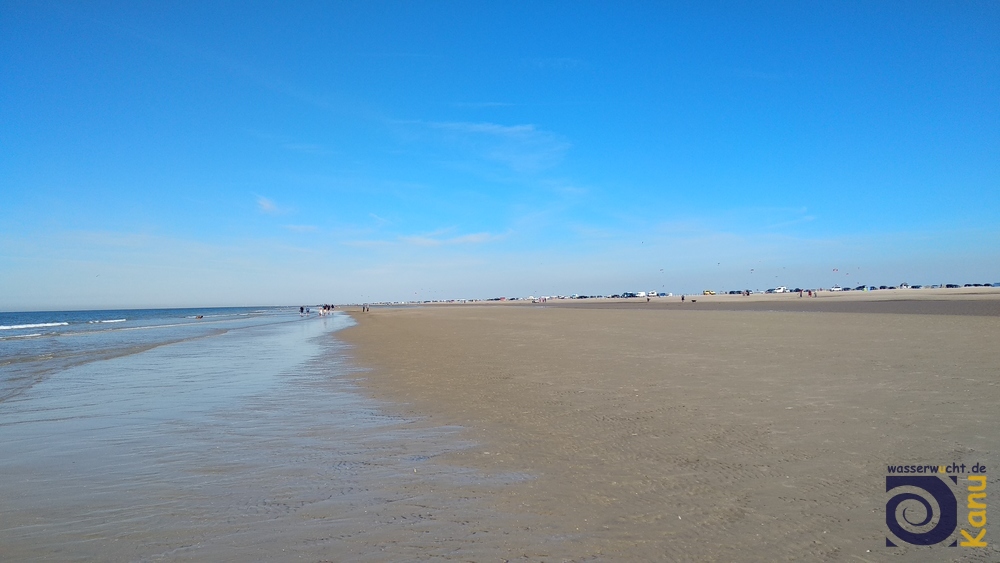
{"x": 682, "y": 298}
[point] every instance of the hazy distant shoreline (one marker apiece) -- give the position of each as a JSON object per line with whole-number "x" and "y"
{"x": 936, "y": 301}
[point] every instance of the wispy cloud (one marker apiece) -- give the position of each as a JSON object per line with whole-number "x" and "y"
{"x": 441, "y": 237}
{"x": 792, "y": 222}
{"x": 438, "y": 238}
{"x": 368, "y": 243}
{"x": 265, "y": 205}
{"x": 269, "y": 207}
{"x": 289, "y": 143}
{"x": 566, "y": 188}
{"x": 522, "y": 148}
{"x": 474, "y": 238}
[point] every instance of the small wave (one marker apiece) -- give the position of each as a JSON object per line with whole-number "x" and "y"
{"x": 108, "y": 321}
{"x": 20, "y": 336}
{"x": 36, "y": 325}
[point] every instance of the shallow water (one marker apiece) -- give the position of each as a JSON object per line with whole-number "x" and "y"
{"x": 245, "y": 444}
{"x": 36, "y": 344}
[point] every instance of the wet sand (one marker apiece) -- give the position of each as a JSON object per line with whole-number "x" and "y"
{"x": 753, "y": 430}
{"x": 252, "y": 445}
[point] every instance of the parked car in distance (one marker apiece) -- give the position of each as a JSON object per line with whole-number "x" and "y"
{"x": 708, "y": 292}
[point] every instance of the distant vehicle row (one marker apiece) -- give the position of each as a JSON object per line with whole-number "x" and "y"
{"x": 779, "y": 289}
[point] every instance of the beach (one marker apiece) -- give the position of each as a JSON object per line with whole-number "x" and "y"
{"x": 753, "y": 429}
{"x": 214, "y": 435}
{"x": 750, "y": 429}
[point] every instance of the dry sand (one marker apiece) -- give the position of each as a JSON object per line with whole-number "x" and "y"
{"x": 696, "y": 432}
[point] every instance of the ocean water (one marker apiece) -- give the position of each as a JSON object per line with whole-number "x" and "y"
{"x": 241, "y": 435}
{"x": 35, "y": 344}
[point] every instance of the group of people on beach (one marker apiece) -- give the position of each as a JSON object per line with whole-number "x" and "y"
{"x": 324, "y": 310}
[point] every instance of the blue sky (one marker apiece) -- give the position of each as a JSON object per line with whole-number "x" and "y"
{"x": 243, "y": 153}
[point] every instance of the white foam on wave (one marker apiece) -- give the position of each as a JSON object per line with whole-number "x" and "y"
{"x": 21, "y": 336}
{"x": 108, "y": 321}
{"x": 35, "y": 325}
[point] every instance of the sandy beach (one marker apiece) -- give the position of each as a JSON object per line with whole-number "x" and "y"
{"x": 752, "y": 429}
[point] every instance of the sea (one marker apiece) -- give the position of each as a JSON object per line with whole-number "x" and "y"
{"x": 34, "y": 345}
{"x": 212, "y": 434}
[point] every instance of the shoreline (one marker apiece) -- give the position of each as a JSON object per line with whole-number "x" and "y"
{"x": 681, "y": 432}
{"x": 983, "y": 301}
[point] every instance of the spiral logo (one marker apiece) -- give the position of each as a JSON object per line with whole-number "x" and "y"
{"x": 910, "y": 514}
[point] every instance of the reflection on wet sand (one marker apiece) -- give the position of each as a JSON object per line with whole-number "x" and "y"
{"x": 205, "y": 451}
